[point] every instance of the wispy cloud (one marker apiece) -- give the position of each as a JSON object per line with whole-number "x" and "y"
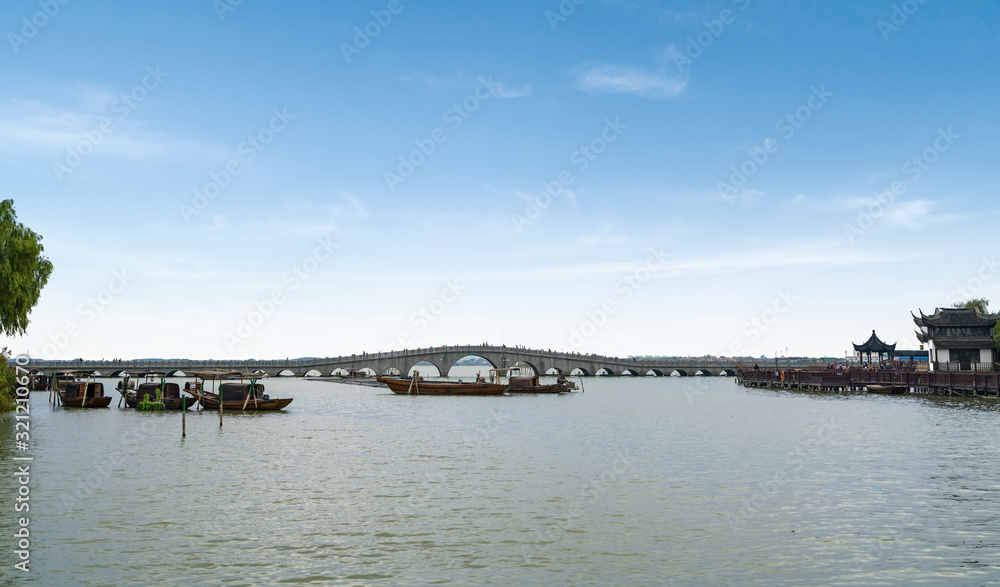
{"x": 743, "y": 196}
{"x": 917, "y": 214}
{"x": 466, "y": 82}
{"x": 611, "y": 78}
{"x": 43, "y": 130}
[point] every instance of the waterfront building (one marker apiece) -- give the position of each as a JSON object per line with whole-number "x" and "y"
{"x": 959, "y": 339}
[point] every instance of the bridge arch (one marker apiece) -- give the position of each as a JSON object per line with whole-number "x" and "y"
{"x": 580, "y": 371}
{"x": 425, "y": 368}
{"x": 554, "y": 371}
{"x": 727, "y": 373}
{"x": 470, "y": 365}
{"x": 702, "y": 373}
{"x": 605, "y": 372}
{"x": 654, "y": 373}
{"x": 285, "y": 373}
{"x": 312, "y": 373}
{"x": 339, "y": 371}
{"x": 678, "y": 373}
{"x": 529, "y": 365}
{"x": 176, "y": 373}
{"x": 118, "y": 373}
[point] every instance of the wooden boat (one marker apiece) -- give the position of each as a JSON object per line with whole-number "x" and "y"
{"x": 39, "y": 381}
{"x": 888, "y": 389}
{"x": 354, "y": 374}
{"x": 169, "y": 395}
{"x": 59, "y": 381}
{"x": 84, "y": 394}
{"x": 416, "y": 386}
{"x": 239, "y": 396}
{"x": 530, "y": 384}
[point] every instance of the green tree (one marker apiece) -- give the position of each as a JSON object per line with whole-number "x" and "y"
{"x": 8, "y": 383}
{"x": 976, "y": 304}
{"x": 23, "y": 274}
{"x": 23, "y": 271}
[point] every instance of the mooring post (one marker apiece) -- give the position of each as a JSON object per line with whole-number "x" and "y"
{"x": 183, "y": 416}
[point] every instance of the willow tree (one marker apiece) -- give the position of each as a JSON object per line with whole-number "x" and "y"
{"x": 23, "y": 274}
{"x": 980, "y": 304}
{"x": 23, "y": 271}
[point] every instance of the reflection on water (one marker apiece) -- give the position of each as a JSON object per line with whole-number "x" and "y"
{"x": 641, "y": 481}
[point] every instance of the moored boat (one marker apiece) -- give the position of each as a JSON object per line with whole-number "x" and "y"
{"x": 240, "y": 396}
{"x": 59, "y": 381}
{"x": 151, "y": 391}
{"x": 888, "y": 389}
{"x": 88, "y": 393}
{"x": 39, "y": 381}
{"x": 416, "y": 386}
{"x": 531, "y": 384}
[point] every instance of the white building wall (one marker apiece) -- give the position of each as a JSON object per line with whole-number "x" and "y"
{"x": 985, "y": 355}
{"x": 943, "y": 355}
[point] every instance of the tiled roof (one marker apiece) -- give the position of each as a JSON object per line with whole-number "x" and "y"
{"x": 945, "y": 317}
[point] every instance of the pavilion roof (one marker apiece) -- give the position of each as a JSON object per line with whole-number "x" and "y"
{"x": 874, "y": 345}
{"x": 944, "y": 317}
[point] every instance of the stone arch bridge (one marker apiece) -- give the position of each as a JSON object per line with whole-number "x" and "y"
{"x": 443, "y": 357}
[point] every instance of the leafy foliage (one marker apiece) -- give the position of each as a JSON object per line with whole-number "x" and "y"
{"x": 8, "y": 382}
{"x": 23, "y": 271}
{"x": 980, "y": 304}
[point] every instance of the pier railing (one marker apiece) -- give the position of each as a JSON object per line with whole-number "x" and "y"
{"x": 965, "y": 382}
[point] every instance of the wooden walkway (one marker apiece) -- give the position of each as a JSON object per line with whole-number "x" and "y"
{"x": 857, "y": 380}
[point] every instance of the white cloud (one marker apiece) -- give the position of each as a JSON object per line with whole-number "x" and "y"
{"x": 43, "y": 130}
{"x": 621, "y": 79}
{"x": 464, "y": 82}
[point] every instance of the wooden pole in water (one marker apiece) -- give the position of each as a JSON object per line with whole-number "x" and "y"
{"x": 183, "y": 416}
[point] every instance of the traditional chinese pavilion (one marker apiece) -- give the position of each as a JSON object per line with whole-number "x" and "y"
{"x": 876, "y": 346}
{"x": 960, "y": 339}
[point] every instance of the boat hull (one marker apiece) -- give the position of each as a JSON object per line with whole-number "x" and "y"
{"x": 410, "y": 387}
{"x": 169, "y": 403}
{"x": 888, "y": 389}
{"x": 554, "y": 388}
{"x": 77, "y": 402}
{"x": 210, "y": 401}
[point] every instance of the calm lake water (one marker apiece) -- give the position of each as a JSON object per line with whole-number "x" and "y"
{"x": 644, "y": 481}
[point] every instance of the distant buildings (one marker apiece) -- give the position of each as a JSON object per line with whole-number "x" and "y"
{"x": 959, "y": 339}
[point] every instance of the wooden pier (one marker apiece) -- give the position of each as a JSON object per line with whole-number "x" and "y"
{"x": 857, "y": 380}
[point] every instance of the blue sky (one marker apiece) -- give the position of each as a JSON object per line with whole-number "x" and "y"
{"x": 683, "y": 178}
